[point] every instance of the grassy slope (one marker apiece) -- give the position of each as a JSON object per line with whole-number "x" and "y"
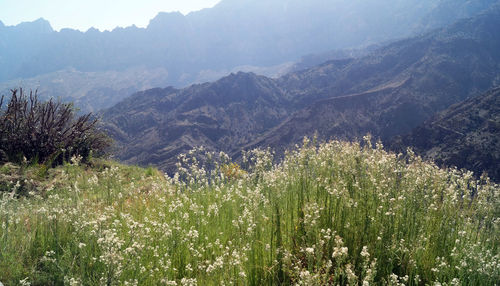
{"x": 336, "y": 213}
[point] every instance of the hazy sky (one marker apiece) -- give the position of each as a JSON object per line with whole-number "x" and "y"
{"x": 101, "y": 14}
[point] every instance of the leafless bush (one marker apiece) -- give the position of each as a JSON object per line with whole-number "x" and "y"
{"x": 46, "y": 132}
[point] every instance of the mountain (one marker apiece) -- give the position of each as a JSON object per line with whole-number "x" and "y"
{"x": 90, "y": 91}
{"x": 387, "y": 93}
{"x": 17, "y": 45}
{"x": 312, "y": 60}
{"x": 395, "y": 88}
{"x": 208, "y": 44}
{"x": 154, "y": 126}
{"x": 466, "y": 135}
{"x": 93, "y": 91}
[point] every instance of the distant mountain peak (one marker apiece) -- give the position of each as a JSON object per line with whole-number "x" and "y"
{"x": 243, "y": 78}
{"x": 166, "y": 19}
{"x": 69, "y": 31}
{"x": 92, "y": 30}
{"x": 40, "y": 25}
{"x": 241, "y": 75}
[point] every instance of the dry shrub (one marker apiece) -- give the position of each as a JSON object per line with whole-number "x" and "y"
{"x": 46, "y": 132}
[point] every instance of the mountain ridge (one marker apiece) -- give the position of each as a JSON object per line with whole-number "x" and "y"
{"x": 220, "y": 115}
{"x": 204, "y": 37}
{"x": 265, "y": 37}
{"x": 386, "y": 93}
{"x": 428, "y": 64}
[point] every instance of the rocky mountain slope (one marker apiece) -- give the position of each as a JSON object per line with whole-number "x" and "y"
{"x": 154, "y": 126}
{"x": 388, "y": 92}
{"x": 466, "y": 135}
{"x": 395, "y": 88}
{"x": 259, "y": 36}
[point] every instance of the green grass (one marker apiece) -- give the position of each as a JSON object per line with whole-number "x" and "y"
{"x": 334, "y": 214}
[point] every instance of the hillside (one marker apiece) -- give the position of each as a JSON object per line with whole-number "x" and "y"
{"x": 396, "y": 87}
{"x": 466, "y": 135}
{"x": 336, "y": 213}
{"x": 260, "y": 36}
{"x": 388, "y": 92}
{"x": 155, "y": 126}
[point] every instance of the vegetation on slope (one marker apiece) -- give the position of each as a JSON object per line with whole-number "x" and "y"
{"x": 46, "y": 132}
{"x": 336, "y": 213}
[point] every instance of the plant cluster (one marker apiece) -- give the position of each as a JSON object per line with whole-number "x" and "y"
{"x": 334, "y": 214}
{"x": 46, "y": 132}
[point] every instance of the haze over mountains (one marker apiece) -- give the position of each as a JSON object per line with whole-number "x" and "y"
{"x": 266, "y": 205}
{"x": 398, "y": 86}
{"x": 333, "y": 68}
{"x": 235, "y": 35}
{"x": 387, "y": 93}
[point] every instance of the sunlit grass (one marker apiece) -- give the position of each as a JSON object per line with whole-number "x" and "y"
{"x": 337, "y": 213}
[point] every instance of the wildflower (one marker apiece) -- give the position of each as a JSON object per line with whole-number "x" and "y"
{"x": 394, "y": 279}
{"x": 25, "y": 282}
{"x": 304, "y": 275}
{"x": 364, "y": 252}
{"x": 351, "y": 276}
{"x": 339, "y": 251}
{"x": 188, "y": 282}
{"x": 76, "y": 159}
{"x": 72, "y": 281}
{"x": 310, "y": 250}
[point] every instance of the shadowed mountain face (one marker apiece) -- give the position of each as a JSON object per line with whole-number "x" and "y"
{"x": 393, "y": 89}
{"x": 466, "y": 135}
{"x": 208, "y": 44}
{"x": 154, "y": 126}
{"x": 388, "y": 92}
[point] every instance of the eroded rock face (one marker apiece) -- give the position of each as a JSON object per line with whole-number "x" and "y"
{"x": 154, "y": 126}
{"x": 466, "y": 135}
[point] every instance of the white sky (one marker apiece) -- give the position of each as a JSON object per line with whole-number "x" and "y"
{"x": 100, "y": 14}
